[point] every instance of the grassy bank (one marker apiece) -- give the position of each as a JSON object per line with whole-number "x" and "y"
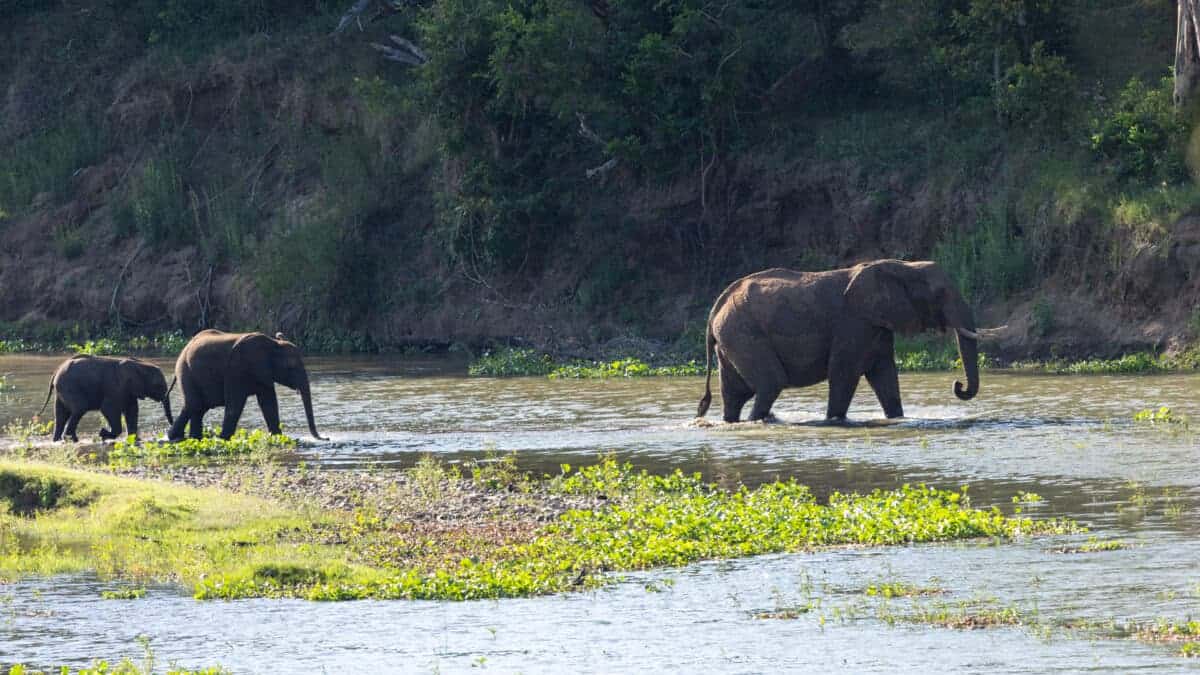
{"x": 224, "y": 545}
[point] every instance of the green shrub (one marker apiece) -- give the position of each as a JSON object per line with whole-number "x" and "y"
{"x": 44, "y": 162}
{"x": 155, "y": 206}
{"x": 1037, "y": 95}
{"x": 1142, "y": 138}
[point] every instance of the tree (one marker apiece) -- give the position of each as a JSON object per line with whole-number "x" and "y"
{"x": 1187, "y": 52}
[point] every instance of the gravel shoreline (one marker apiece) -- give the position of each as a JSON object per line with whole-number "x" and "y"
{"x": 397, "y": 496}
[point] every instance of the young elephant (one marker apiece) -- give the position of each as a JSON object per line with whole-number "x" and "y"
{"x": 218, "y": 369}
{"x": 110, "y": 385}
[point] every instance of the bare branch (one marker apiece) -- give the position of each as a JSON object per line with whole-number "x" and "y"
{"x": 603, "y": 168}
{"x": 353, "y": 15}
{"x": 405, "y": 52}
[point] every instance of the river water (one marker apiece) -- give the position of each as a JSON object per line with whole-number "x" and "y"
{"x": 1071, "y": 440}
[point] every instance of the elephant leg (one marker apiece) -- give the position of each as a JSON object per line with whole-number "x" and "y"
{"x": 196, "y": 423}
{"x": 112, "y": 413}
{"x": 72, "y": 423}
{"x": 763, "y": 400}
{"x": 270, "y": 410}
{"x": 234, "y": 404}
{"x": 61, "y": 413}
{"x": 131, "y": 416}
{"x": 885, "y": 380}
{"x": 180, "y": 425}
{"x": 734, "y": 390}
{"x": 768, "y": 380}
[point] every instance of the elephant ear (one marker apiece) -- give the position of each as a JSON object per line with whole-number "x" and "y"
{"x": 878, "y": 292}
{"x": 250, "y": 358}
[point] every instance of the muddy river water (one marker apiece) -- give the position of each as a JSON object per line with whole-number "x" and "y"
{"x": 1070, "y": 440}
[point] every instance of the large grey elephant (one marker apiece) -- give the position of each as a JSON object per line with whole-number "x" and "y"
{"x": 218, "y": 369}
{"x": 782, "y": 328}
{"x": 110, "y": 385}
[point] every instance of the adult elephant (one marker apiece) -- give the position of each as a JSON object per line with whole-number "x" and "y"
{"x": 782, "y": 328}
{"x": 224, "y": 369}
{"x": 110, "y": 385}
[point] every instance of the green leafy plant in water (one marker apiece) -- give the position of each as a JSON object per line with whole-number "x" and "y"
{"x": 898, "y": 589}
{"x": 124, "y": 594}
{"x": 242, "y": 443}
{"x": 511, "y": 362}
{"x": 1161, "y": 415}
{"x": 629, "y": 367}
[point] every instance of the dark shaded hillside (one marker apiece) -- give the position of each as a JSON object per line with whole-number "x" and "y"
{"x": 178, "y": 164}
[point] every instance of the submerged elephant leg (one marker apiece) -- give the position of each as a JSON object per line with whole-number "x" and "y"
{"x": 734, "y": 390}
{"x": 234, "y": 404}
{"x": 270, "y": 410}
{"x": 61, "y": 413}
{"x": 841, "y": 392}
{"x": 885, "y": 380}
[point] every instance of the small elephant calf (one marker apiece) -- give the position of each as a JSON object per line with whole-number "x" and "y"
{"x": 110, "y": 385}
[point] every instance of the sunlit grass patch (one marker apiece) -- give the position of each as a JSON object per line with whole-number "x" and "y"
{"x": 242, "y": 443}
{"x": 139, "y": 531}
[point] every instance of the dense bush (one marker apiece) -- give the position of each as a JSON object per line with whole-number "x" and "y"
{"x": 1141, "y": 137}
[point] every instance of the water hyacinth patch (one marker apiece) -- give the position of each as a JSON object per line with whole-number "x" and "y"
{"x": 630, "y": 367}
{"x": 242, "y": 443}
{"x": 516, "y": 362}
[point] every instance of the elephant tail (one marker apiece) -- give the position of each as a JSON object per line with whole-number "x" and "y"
{"x": 709, "y": 344}
{"x": 171, "y": 388}
{"x": 49, "y": 393}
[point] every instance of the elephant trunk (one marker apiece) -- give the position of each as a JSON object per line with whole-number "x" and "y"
{"x": 306, "y": 397}
{"x": 968, "y": 351}
{"x": 166, "y": 401}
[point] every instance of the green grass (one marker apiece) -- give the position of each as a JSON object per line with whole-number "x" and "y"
{"x": 226, "y": 545}
{"x": 242, "y": 443}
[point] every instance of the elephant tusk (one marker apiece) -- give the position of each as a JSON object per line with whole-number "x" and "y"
{"x": 968, "y": 333}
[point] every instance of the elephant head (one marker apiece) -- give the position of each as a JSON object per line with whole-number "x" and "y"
{"x": 910, "y": 297}
{"x": 146, "y": 380}
{"x": 275, "y": 360}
